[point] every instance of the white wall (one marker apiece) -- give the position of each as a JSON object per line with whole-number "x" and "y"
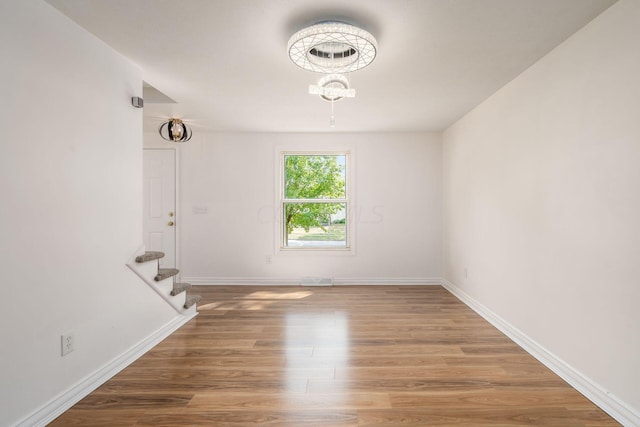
{"x": 542, "y": 202}
{"x": 397, "y": 200}
{"x": 71, "y": 210}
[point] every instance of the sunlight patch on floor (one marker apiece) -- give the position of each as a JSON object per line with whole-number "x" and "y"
{"x": 266, "y": 295}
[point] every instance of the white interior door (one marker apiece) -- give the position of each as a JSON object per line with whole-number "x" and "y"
{"x": 160, "y": 204}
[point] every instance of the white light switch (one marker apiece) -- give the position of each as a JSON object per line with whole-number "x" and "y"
{"x": 200, "y": 210}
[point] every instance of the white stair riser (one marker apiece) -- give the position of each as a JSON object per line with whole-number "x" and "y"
{"x": 147, "y": 271}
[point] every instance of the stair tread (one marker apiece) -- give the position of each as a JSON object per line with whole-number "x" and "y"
{"x": 165, "y": 273}
{"x": 191, "y": 300}
{"x": 149, "y": 256}
{"x": 179, "y": 287}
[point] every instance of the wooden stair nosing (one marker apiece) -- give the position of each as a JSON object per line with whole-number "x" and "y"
{"x": 179, "y": 288}
{"x": 191, "y": 300}
{"x": 165, "y": 273}
{"x": 149, "y": 256}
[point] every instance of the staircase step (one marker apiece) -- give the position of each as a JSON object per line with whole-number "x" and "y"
{"x": 149, "y": 256}
{"x": 179, "y": 287}
{"x": 165, "y": 273}
{"x": 192, "y": 299}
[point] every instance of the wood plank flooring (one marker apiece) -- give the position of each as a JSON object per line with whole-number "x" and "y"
{"x": 341, "y": 356}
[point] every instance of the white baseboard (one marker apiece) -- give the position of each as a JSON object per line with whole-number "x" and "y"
{"x": 392, "y": 281}
{"x": 56, "y": 406}
{"x": 337, "y": 281}
{"x": 249, "y": 281}
{"x": 619, "y": 410}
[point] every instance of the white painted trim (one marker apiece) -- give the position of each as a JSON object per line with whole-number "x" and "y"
{"x": 56, "y": 406}
{"x": 252, "y": 281}
{"x": 337, "y": 281}
{"x": 368, "y": 281}
{"x": 621, "y": 411}
{"x": 177, "y": 211}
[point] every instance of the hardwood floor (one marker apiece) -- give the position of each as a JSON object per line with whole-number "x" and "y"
{"x": 341, "y": 356}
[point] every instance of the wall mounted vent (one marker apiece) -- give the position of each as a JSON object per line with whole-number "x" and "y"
{"x": 316, "y": 281}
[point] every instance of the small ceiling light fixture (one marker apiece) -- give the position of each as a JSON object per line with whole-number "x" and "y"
{"x": 174, "y": 130}
{"x": 332, "y": 87}
{"x": 332, "y": 47}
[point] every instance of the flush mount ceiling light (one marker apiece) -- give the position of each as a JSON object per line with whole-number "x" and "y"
{"x": 175, "y": 130}
{"x": 332, "y": 87}
{"x": 332, "y": 47}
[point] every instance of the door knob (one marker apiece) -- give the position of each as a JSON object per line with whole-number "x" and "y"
{"x": 170, "y": 223}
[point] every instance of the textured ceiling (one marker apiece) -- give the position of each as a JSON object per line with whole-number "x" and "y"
{"x": 225, "y": 64}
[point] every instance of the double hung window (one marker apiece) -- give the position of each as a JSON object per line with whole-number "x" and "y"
{"x": 315, "y": 201}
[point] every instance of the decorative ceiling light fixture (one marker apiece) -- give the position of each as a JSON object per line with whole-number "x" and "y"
{"x": 332, "y": 47}
{"x": 175, "y": 130}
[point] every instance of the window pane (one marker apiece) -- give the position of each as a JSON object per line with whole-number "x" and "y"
{"x": 313, "y": 225}
{"x": 315, "y": 177}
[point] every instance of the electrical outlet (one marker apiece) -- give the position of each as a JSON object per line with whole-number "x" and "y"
{"x": 267, "y": 259}
{"x": 67, "y": 343}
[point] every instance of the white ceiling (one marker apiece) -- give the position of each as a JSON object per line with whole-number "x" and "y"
{"x": 225, "y": 62}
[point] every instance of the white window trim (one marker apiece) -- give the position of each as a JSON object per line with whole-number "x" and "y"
{"x": 348, "y": 200}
